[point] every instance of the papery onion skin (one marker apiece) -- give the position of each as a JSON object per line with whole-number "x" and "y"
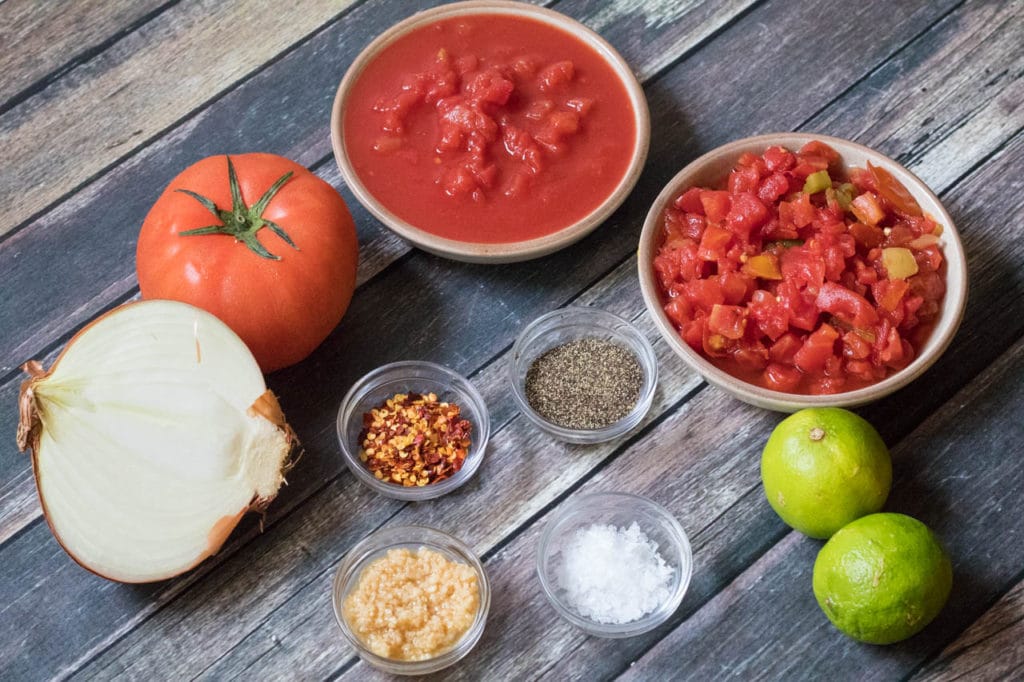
{"x": 258, "y": 423}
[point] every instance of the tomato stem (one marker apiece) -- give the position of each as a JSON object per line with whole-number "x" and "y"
{"x": 242, "y": 222}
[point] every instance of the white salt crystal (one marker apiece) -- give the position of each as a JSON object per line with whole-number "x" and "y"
{"x": 613, "y": 575}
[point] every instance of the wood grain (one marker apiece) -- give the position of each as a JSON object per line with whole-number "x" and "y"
{"x": 81, "y": 250}
{"x": 275, "y": 644}
{"x": 42, "y": 40}
{"x": 969, "y": 516}
{"x": 991, "y": 649}
{"x": 959, "y": 85}
{"x": 263, "y": 611}
{"x": 675, "y": 147}
{"x": 994, "y": 280}
{"x": 103, "y": 110}
{"x": 513, "y": 483}
{"x": 520, "y": 291}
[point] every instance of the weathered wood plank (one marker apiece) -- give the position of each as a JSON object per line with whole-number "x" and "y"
{"x": 959, "y": 85}
{"x": 638, "y": 28}
{"x": 664, "y": 161}
{"x": 94, "y": 231}
{"x": 28, "y": 259}
{"x": 991, "y": 649}
{"x": 106, "y": 108}
{"x": 989, "y": 325}
{"x": 508, "y": 489}
{"x": 957, "y": 480}
{"x": 416, "y": 269}
{"x": 270, "y": 643}
{"x": 43, "y": 39}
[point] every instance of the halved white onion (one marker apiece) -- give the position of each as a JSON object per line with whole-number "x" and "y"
{"x": 152, "y": 435}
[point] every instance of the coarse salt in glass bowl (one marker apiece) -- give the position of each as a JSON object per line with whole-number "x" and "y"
{"x": 416, "y": 377}
{"x": 620, "y": 510}
{"x": 572, "y": 324}
{"x": 375, "y": 546}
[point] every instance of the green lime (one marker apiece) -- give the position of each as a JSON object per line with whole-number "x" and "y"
{"x": 822, "y": 468}
{"x": 882, "y": 578}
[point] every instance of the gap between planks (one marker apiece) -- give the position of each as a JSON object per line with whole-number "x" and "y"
{"x": 71, "y": 39}
{"x": 35, "y": 179}
{"x": 751, "y": 584}
{"x": 393, "y": 249}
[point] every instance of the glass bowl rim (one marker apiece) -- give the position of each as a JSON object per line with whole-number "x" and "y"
{"x": 372, "y": 546}
{"x": 680, "y": 541}
{"x": 455, "y": 382}
{"x": 637, "y": 343}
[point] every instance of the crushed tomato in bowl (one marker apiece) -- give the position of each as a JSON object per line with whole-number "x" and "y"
{"x": 801, "y": 276}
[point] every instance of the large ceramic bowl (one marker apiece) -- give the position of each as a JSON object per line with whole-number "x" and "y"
{"x": 506, "y": 252}
{"x": 711, "y": 170}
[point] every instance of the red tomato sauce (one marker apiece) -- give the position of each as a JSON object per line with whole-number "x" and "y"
{"x": 490, "y": 128}
{"x": 799, "y": 276}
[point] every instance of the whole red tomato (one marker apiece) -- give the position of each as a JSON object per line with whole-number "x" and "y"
{"x": 261, "y": 243}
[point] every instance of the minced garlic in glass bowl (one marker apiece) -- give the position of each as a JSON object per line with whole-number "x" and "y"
{"x": 411, "y": 600}
{"x": 412, "y": 605}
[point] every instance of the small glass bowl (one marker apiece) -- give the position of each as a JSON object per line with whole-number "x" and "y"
{"x": 376, "y": 545}
{"x": 621, "y": 510}
{"x": 419, "y": 377}
{"x": 570, "y": 324}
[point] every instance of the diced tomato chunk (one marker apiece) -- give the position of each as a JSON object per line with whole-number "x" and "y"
{"x": 890, "y": 292}
{"x": 743, "y": 179}
{"x": 735, "y": 287}
{"x": 855, "y": 346}
{"x": 779, "y": 159}
{"x": 690, "y": 202}
{"x": 716, "y": 204}
{"x": 867, "y": 209}
{"x": 746, "y": 213}
{"x": 556, "y": 76}
{"x": 785, "y": 348}
{"x": 728, "y": 320}
{"x": 678, "y": 310}
{"x": 773, "y": 187}
{"x": 800, "y": 212}
{"x": 866, "y": 235}
{"x": 894, "y": 192}
{"x": 846, "y": 305}
{"x": 782, "y": 377}
{"x": 821, "y": 149}
{"x": 816, "y": 349}
{"x": 751, "y": 357}
{"x": 704, "y": 293}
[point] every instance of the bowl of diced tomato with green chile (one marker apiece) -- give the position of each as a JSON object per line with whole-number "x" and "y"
{"x": 796, "y": 270}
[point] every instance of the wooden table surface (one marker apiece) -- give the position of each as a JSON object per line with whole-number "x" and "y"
{"x": 103, "y": 102}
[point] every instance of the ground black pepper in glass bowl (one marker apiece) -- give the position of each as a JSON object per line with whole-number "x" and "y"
{"x": 583, "y": 375}
{"x": 588, "y": 383}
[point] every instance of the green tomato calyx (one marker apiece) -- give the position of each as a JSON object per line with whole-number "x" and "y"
{"x": 242, "y": 222}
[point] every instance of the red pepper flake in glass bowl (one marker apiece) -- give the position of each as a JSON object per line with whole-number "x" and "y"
{"x": 414, "y": 440}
